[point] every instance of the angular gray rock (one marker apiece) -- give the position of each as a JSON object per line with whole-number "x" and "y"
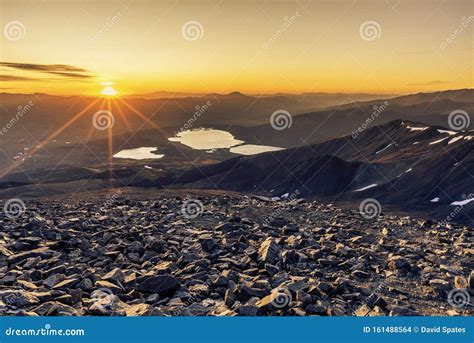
{"x": 269, "y": 251}
{"x": 164, "y": 285}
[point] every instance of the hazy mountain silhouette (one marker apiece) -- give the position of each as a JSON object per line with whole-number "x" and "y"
{"x": 397, "y": 163}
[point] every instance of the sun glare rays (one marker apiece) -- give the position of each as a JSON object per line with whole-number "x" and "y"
{"x": 110, "y": 144}
{"x": 50, "y": 137}
{"x": 108, "y": 105}
{"x": 121, "y": 114}
{"x": 92, "y": 128}
{"x": 141, "y": 115}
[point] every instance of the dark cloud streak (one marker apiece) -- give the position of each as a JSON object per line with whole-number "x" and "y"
{"x": 71, "y": 75}
{"x": 16, "y": 78}
{"x": 63, "y": 70}
{"x": 430, "y": 83}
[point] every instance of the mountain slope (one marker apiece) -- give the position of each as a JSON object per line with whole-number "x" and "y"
{"x": 308, "y": 128}
{"x": 403, "y": 164}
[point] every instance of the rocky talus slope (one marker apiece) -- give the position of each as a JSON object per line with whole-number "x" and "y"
{"x": 226, "y": 255}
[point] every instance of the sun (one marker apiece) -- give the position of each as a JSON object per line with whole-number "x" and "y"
{"x": 109, "y": 91}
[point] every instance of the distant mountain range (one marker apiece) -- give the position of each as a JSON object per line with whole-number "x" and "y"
{"x": 319, "y": 99}
{"x": 399, "y": 150}
{"x": 429, "y": 108}
{"x": 164, "y": 95}
{"x": 315, "y": 116}
{"x": 406, "y": 166}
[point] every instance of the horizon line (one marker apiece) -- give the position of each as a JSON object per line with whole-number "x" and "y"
{"x": 191, "y": 94}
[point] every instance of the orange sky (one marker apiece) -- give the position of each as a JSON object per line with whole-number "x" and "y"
{"x": 247, "y": 46}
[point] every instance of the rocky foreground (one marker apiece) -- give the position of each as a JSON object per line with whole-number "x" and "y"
{"x": 226, "y": 255}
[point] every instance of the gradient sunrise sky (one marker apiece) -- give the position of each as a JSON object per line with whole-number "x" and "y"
{"x": 392, "y": 46}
